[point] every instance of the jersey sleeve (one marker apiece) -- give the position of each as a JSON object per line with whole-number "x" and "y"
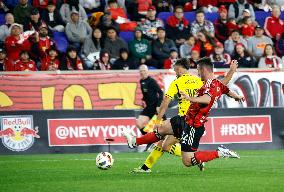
{"x": 225, "y": 89}
{"x": 172, "y": 90}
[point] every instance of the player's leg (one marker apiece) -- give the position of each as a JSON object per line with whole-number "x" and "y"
{"x": 141, "y": 122}
{"x": 171, "y": 145}
{"x": 157, "y": 135}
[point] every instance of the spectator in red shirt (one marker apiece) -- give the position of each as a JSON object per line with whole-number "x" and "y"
{"x": 178, "y": 28}
{"x": 273, "y": 25}
{"x": 206, "y": 43}
{"x": 221, "y": 27}
{"x": 25, "y": 63}
{"x": 16, "y": 42}
{"x": 51, "y": 62}
{"x": 248, "y": 27}
{"x": 168, "y": 63}
{"x": 208, "y": 6}
{"x": 72, "y": 61}
{"x": 41, "y": 5}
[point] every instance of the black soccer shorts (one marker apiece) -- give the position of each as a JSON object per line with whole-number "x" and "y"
{"x": 189, "y": 136}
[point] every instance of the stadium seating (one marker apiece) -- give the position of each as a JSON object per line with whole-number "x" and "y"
{"x": 61, "y": 41}
{"x": 2, "y": 18}
{"x": 127, "y": 35}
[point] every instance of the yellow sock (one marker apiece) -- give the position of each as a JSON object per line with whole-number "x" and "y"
{"x": 155, "y": 154}
{"x": 175, "y": 149}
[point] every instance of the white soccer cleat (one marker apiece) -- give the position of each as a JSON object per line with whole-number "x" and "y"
{"x": 131, "y": 139}
{"x": 224, "y": 152}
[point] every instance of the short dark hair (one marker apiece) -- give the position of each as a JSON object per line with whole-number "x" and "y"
{"x": 199, "y": 11}
{"x": 183, "y": 63}
{"x": 205, "y": 62}
{"x": 178, "y": 7}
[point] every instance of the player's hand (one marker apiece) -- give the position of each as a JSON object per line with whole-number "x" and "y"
{"x": 183, "y": 95}
{"x": 240, "y": 98}
{"x": 234, "y": 65}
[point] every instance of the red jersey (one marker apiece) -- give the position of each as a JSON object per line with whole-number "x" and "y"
{"x": 273, "y": 26}
{"x": 197, "y": 113}
{"x": 25, "y": 66}
{"x": 47, "y": 64}
{"x": 15, "y": 46}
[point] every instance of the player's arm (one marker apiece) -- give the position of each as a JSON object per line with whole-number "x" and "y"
{"x": 235, "y": 96}
{"x": 163, "y": 108}
{"x": 204, "y": 99}
{"x": 233, "y": 69}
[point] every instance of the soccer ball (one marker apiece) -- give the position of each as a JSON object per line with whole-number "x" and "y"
{"x": 104, "y": 160}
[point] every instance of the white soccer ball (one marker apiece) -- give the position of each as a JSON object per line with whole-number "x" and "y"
{"x": 104, "y": 160}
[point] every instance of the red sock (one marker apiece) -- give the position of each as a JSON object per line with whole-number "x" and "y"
{"x": 148, "y": 138}
{"x": 204, "y": 156}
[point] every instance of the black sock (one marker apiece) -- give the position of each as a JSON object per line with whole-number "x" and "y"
{"x": 142, "y": 131}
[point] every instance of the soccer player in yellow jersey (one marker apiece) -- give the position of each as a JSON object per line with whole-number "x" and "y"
{"x": 184, "y": 83}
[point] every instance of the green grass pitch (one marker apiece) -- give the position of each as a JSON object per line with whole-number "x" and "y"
{"x": 255, "y": 171}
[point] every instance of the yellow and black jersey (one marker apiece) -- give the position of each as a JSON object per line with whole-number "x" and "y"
{"x": 186, "y": 83}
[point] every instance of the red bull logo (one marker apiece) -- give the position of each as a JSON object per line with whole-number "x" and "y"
{"x": 17, "y": 132}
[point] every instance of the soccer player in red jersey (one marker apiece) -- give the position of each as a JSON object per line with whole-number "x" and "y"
{"x": 191, "y": 128}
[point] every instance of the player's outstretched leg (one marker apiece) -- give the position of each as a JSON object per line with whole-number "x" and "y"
{"x": 224, "y": 152}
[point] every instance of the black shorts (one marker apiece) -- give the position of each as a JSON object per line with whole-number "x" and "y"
{"x": 189, "y": 136}
{"x": 150, "y": 112}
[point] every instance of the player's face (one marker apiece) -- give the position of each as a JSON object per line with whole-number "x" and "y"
{"x": 178, "y": 70}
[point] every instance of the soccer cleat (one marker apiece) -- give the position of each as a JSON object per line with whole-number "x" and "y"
{"x": 140, "y": 170}
{"x": 131, "y": 139}
{"x": 224, "y": 152}
{"x": 201, "y": 166}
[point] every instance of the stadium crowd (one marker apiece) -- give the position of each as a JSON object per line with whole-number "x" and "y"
{"x": 32, "y": 36}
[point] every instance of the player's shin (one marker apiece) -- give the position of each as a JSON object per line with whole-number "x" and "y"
{"x": 203, "y": 156}
{"x": 153, "y": 157}
{"x": 149, "y": 138}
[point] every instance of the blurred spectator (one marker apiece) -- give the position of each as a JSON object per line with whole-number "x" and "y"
{"x": 236, "y": 10}
{"x": 234, "y": 38}
{"x": 4, "y": 29}
{"x": 103, "y": 63}
{"x": 201, "y": 24}
{"x": 280, "y": 45}
{"x": 34, "y": 22}
{"x": 162, "y": 47}
{"x": 106, "y": 22}
{"x": 92, "y": 6}
{"x": 41, "y": 43}
{"x": 178, "y": 27}
{"x": 71, "y": 6}
{"x": 41, "y": 5}
{"x": 77, "y": 30}
{"x": 3, "y": 7}
{"x": 280, "y": 3}
{"x": 194, "y": 57}
{"x": 11, "y": 4}
{"x": 132, "y": 10}
{"x": 51, "y": 61}
{"x": 221, "y": 27}
{"x": 25, "y": 63}
{"x": 206, "y": 43}
{"x": 91, "y": 48}
{"x": 124, "y": 62}
{"x": 52, "y": 18}
{"x": 232, "y": 25}
{"x": 163, "y": 6}
{"x": 257, "y": 43}
{"x": 113, "y": 44}
{"x": 4, "y": 62}
{"x": 185, "y": 49}
{"x": 140, "y": 49}
{"x": 190, "y": 6}
{"x": 247, "y": 28}
{"x": 270, "y": 59}
{"x": 245, "y": 60}
{"x": 120, "y": 3}
{"x": 169, "y": 62}
{"x": 16, "y": 42}
{"x": 22, "y": 12}
{"x": 150, "y": 24}
{"x": 208, "y": 6}
{"x": 274, "y": 26}
{"x": 219, "y": 58}
{"x": 72, "y": 61}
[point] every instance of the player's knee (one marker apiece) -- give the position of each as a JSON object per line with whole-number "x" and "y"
{"x": 166, "y": 147}
{"x": 186, "y": 162}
